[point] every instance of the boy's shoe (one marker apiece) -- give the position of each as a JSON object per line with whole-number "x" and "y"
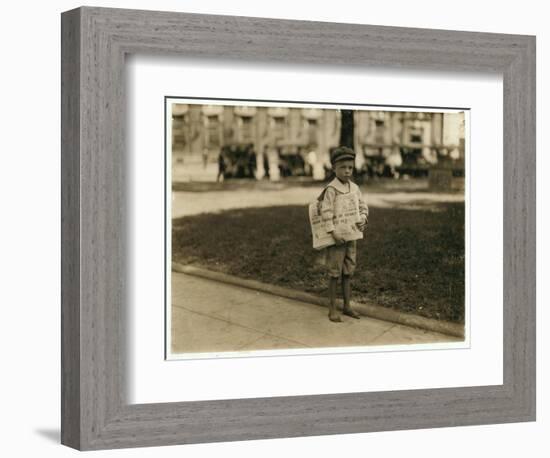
{"x": 352, "y": 313}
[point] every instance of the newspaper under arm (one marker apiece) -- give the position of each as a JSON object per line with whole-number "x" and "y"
{"x": 346, "y": 218}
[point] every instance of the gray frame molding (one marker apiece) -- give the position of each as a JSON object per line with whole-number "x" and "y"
{"x": 95, "y": 414}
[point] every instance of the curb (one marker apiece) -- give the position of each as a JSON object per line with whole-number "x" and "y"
{"x": 365, "y": 309}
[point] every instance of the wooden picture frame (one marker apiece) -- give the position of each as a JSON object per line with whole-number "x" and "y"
{"x": 95, "y": 412}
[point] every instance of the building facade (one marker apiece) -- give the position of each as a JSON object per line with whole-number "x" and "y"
{"x": 394, "y": 137}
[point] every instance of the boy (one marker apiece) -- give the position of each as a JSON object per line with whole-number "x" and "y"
{"x": 341, "y": 257}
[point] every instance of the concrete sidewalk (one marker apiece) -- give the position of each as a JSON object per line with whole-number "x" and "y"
{"x": 210, "y": 316}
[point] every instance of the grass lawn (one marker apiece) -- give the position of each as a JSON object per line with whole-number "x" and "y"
{"x": 410, "y": 260}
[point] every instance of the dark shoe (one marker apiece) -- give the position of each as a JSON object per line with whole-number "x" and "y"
{"x": 352, "y": 313}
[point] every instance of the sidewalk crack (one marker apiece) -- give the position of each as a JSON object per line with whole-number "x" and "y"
{"x": 223, "y": 320}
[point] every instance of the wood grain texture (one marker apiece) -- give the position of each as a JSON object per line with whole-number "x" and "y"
{"x": 96, "y": 414}
{"x": 70, "y": 229}
{"x": 520, "y": 230}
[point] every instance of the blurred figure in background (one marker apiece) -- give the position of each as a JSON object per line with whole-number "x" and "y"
{"x": 252, "y": 161}
{"x": 205, "y": 154}
{"x": 393, "y": 161}
{"x": 266, "y": 161}
{"x": 221, "y": 166}
{"x": 311, "y": 160}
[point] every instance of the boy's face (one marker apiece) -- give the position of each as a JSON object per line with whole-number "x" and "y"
{"x": 344, "y": 169}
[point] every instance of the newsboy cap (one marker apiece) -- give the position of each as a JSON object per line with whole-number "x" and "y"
{"x": 341, "y": 153}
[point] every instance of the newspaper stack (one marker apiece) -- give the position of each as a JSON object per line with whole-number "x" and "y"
{"x": 346, "y": 217}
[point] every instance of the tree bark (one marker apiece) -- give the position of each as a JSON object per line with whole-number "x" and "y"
{"x": 346, "y": 129}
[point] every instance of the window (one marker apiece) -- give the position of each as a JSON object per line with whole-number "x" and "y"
{"x": 312, "y": 131}
{"x": 279, "y": 130}
{"x": 213, "y": 132}
{"x": 379, "y": 132}
{"x": 247, "y": 129}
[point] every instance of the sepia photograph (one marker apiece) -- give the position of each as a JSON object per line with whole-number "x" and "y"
{"x": 302, "y": 228}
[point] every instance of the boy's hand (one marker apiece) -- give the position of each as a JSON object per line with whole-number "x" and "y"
{"x": 363, "y": 224}
{"x": 337, "y": 238}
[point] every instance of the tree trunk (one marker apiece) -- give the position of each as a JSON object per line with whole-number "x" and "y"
{"x": 346, "y": 129}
